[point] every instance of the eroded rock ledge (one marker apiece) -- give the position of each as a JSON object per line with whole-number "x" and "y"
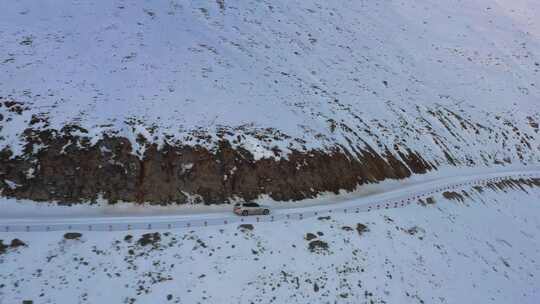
{"x": 67, "y": 172}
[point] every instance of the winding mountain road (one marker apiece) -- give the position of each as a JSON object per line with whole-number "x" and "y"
{"x": 391, "y": 199}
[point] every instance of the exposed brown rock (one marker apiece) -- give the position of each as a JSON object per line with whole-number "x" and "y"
{"x": 70, "y": 170}
{"x": 361, "y": 228}
{"x": 310, "y": 236}
{"x": 430, "y": 200}
{"x": 246, "y": 227}
{"x": 323, "y": 218}
{"x": 452, "y": 195}
{"x": 17, "y": 243}
{"x": 149, "y": 239}
{"x": 514, "y": 184}
{"x": 72, "y": 236}
{"x": 318, "y": 246}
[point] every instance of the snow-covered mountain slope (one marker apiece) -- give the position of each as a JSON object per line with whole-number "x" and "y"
{"x": 476, "y": 246}
{"x": 425, "y": 83}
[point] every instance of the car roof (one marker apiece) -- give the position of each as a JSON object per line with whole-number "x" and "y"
{"x": 251, "y": 204}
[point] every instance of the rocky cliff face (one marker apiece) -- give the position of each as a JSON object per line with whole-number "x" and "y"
{"x": 68, "y": 165}
{"x": 70, "y": 170}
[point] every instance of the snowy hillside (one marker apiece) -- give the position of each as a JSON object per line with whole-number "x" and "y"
{"x": 480, "y": 245}
{"x": 416, "y": 85}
